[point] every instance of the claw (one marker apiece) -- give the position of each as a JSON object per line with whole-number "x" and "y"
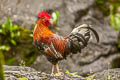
{"x": 53, "y": 69}
{"x": 58, "y": 70}
{"x": 52, "y": 74}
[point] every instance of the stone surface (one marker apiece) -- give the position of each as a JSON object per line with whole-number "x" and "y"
{"x": 18, "y": 68}
{"x": 110, "y": 74}
{"x": 16, "y": 73}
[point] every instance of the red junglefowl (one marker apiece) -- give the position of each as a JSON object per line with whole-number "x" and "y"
{"x": 56, "y": 47}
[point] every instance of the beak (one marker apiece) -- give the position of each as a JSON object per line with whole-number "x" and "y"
{"x": 51, "y": 21}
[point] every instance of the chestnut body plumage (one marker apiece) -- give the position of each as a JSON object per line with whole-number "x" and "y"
{"x": 56, "y": 47}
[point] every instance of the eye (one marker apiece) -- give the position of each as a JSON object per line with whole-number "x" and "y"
{"x": 46, "y": 22}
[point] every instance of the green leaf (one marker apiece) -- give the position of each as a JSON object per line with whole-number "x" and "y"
{"x": 23, "y": 78}
{"x": 31, "y": 35}
{"x": 57, "y": 74}
{"x": 3, "y": 25}
{"x": 11, "y": 60}
{"x": 67, "y": 72}
{"x": 90, "y": 77}
{"x": 18, "y": 34}
{"x": 4, "y": 47}
{"x": 1, "y": 31}
{"x": 74, "y": 73}
{"x": 112, "y": 16}
{"x": 12, "y": 34}
{"x": 109, "y": 77}
{"x": 9, "y": 23}
{"x": 1, "y": 66}
{"x": 55, "y": 16}
{"x": 114, "y": 19}
{"x": 13, "y": 42}
{"x": 15, "y": 27}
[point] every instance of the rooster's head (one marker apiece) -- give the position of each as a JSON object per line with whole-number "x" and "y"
{"x": 45, "y": 17}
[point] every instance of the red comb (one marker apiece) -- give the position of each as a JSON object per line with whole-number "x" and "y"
{"x": 44, "y": 14}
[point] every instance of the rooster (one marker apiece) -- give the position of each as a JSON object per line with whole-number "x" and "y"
{"x": 56, "y": 47}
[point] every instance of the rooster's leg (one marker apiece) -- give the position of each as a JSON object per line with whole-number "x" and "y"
{"x": 53, "y": 70}
{"x": 58, "y": 70}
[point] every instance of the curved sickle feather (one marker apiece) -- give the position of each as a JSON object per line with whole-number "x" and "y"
{"x": 95, "y": 33}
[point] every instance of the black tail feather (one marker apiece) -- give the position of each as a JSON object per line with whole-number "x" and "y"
{"x": 79, "y": 38}
{"x": 95, "y": 33}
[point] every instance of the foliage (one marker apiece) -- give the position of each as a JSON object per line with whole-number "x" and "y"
{"x": 16, "y": 43}
{"x": 109, "y": 77}
{"x": 23, "y": 78}
{"x": 55, "y": 16}
{"x": 72, "y": 74}
{"x": 102, "y": 6}
{"x": 11, "y": 31}
{"x": 1, "y": 66}
{"x": 110, "y": 8}
{"x": 22, "y": 65}
{"x": 90, "y": 77}
{"x": 115, "y": 14}
{"x": 114, "y": 19}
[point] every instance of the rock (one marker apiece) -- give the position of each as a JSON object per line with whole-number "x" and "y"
{"x": 16, "y": 73}
{"x": 18, "y": 68}
{"x": 96, "y": 56}
{"x": 110, "y": 74}
{"x": 77, "y": 5}
{"x": 24, "y": 12}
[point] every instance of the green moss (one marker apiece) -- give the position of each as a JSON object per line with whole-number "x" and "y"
{"x": 1, "y": 66}
{"x": 74, "y": 74}
{"x": 20, "y": 77}
{"x": 90, "y": 77}
{"x": 23, "y": 78}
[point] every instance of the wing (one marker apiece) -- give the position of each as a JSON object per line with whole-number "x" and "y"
{"x": 57, "y": 45}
